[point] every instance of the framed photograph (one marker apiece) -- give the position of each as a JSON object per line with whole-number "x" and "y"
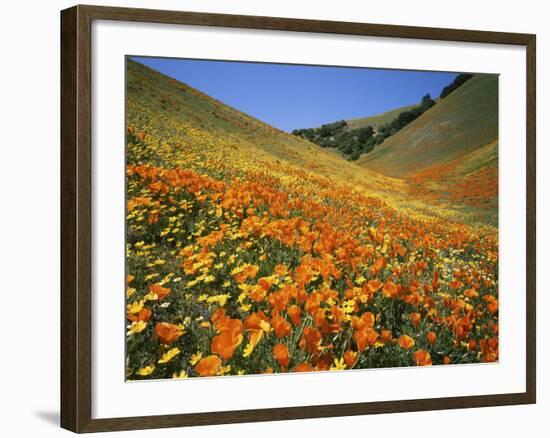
{"x": 270, "y": 218}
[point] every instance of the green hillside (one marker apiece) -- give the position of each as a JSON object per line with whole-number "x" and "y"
{"x": 378, "y": 120}
{"x": 464, "y": 121}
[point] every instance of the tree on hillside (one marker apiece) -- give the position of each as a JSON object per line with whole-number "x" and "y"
{"x": 457, "y": 82}
{"x": 427, "y": 102}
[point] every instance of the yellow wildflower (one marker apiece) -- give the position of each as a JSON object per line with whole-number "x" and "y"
{"x": 169, "y": 355}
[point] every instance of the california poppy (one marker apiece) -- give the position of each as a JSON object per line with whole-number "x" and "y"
{"x": 208, "y": 366}
{"x": 365, "y": 338}
{"x": 405, "y": 341}
{"x": 280, "y": 352}
{"x": 422, "y": 358}
{"x": 143, "y": 315}
{"x": 295, "y": 314}
{"x": 386, "y": 335}
{"x": 167, "y": 332}
{"x": 311, "y": 338}
{"x": 415, "y": 319}
{"x": 350, "y": 357}
{"x": 159, "y": 291}
{"x": 303, "y": 367}
{"x": 281, "y": 326}
{"x": 225, "y": 344}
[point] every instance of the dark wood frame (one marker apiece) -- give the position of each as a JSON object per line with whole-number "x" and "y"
{"x": 76, "y": 225}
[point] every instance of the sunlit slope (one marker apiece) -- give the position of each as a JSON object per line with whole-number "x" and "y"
{"x": 174, "y": 116}
{"x": 461, "y": 123}
{"x": 182, "y": 127}
{"x": 379, "y": 119}
{"x": 249, "y": 251}
{"x": 469, "y": 185}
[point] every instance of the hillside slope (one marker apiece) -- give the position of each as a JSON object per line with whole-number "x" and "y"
{"x": 379, "y": 119}
{"x": 461, "y": 123}
{"x": 171, "y": 124}
{"x": 164, "y": 109}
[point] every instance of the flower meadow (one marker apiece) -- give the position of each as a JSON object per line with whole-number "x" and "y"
{"x": 242, "y": 262}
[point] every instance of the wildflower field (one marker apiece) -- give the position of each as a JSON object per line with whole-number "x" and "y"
{"x": 249, "y": 251}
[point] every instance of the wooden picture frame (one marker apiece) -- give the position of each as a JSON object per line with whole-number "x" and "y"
{"x": 76, "y": 217}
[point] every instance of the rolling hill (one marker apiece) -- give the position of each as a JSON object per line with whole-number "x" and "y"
{"x": 185, "y": 127}
{"x": 464, "y": 121}
{"x": 164, "y": 109}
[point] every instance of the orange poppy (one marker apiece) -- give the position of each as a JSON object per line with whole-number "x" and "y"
{"x": 422, "y": 358}
{"x": 247, "y": 272}
{"x": 167, "y": 332}
{"x": 159, "y": 291}
{"x": 365, "y": 337}
{"x": 432, "y": 337}
{"x": 455, "y": 284}
{"x": 227, "y": 324}
{"x": 489, "y": 349}
{"x": 311, "y": 338}
{"x": 320, "y": 321}
{"x": 492, "y": 303}
{"x": 373, "y": 285}
{"x": 280, "y": 270}
{"x": 226, "y": 343}
{"x": 390, "y": 289}
{"x": 415, "y": 319}
{"x": 280, "y": 352}
{"x": 278, "y": 300}
{"x": 386, "y": 336}
{"x": 446, "y": 360}
{"x": 281, "y": 326}
{"x": 257, "y": 293}
{"x": 209, "y": 366}
{"x": 405, "y": 341}
{"x": 313, "y": 302}
{"x": 295, "y": 314}
{"x": 324, "y": 361}
{"x": 143, "y": 315}
{"x": 350, "y": 357}
{"x": 252, "y": 321}
{"x": 303, "y": 367}
{"x": 368, "y": 319}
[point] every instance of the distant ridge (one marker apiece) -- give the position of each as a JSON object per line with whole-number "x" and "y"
{"x": 379, "y": 119}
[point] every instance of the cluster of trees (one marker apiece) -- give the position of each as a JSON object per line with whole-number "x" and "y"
{"x": 357, "y": 141}
{"x": 458, "y": 81}
{"x": 348, "y": 141}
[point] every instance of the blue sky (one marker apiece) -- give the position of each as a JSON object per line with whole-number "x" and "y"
{"x": 292, "y": 96}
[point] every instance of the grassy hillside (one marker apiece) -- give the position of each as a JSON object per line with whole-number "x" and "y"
{"x": 378, "y": 120}
{"x": 251, "y": 251}
{"x": 464, "y": 121}
{"x": 169, "y": 110}
{"x": 172, "y": 118}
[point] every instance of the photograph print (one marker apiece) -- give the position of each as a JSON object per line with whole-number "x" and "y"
{"x": 294, "y": 218}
